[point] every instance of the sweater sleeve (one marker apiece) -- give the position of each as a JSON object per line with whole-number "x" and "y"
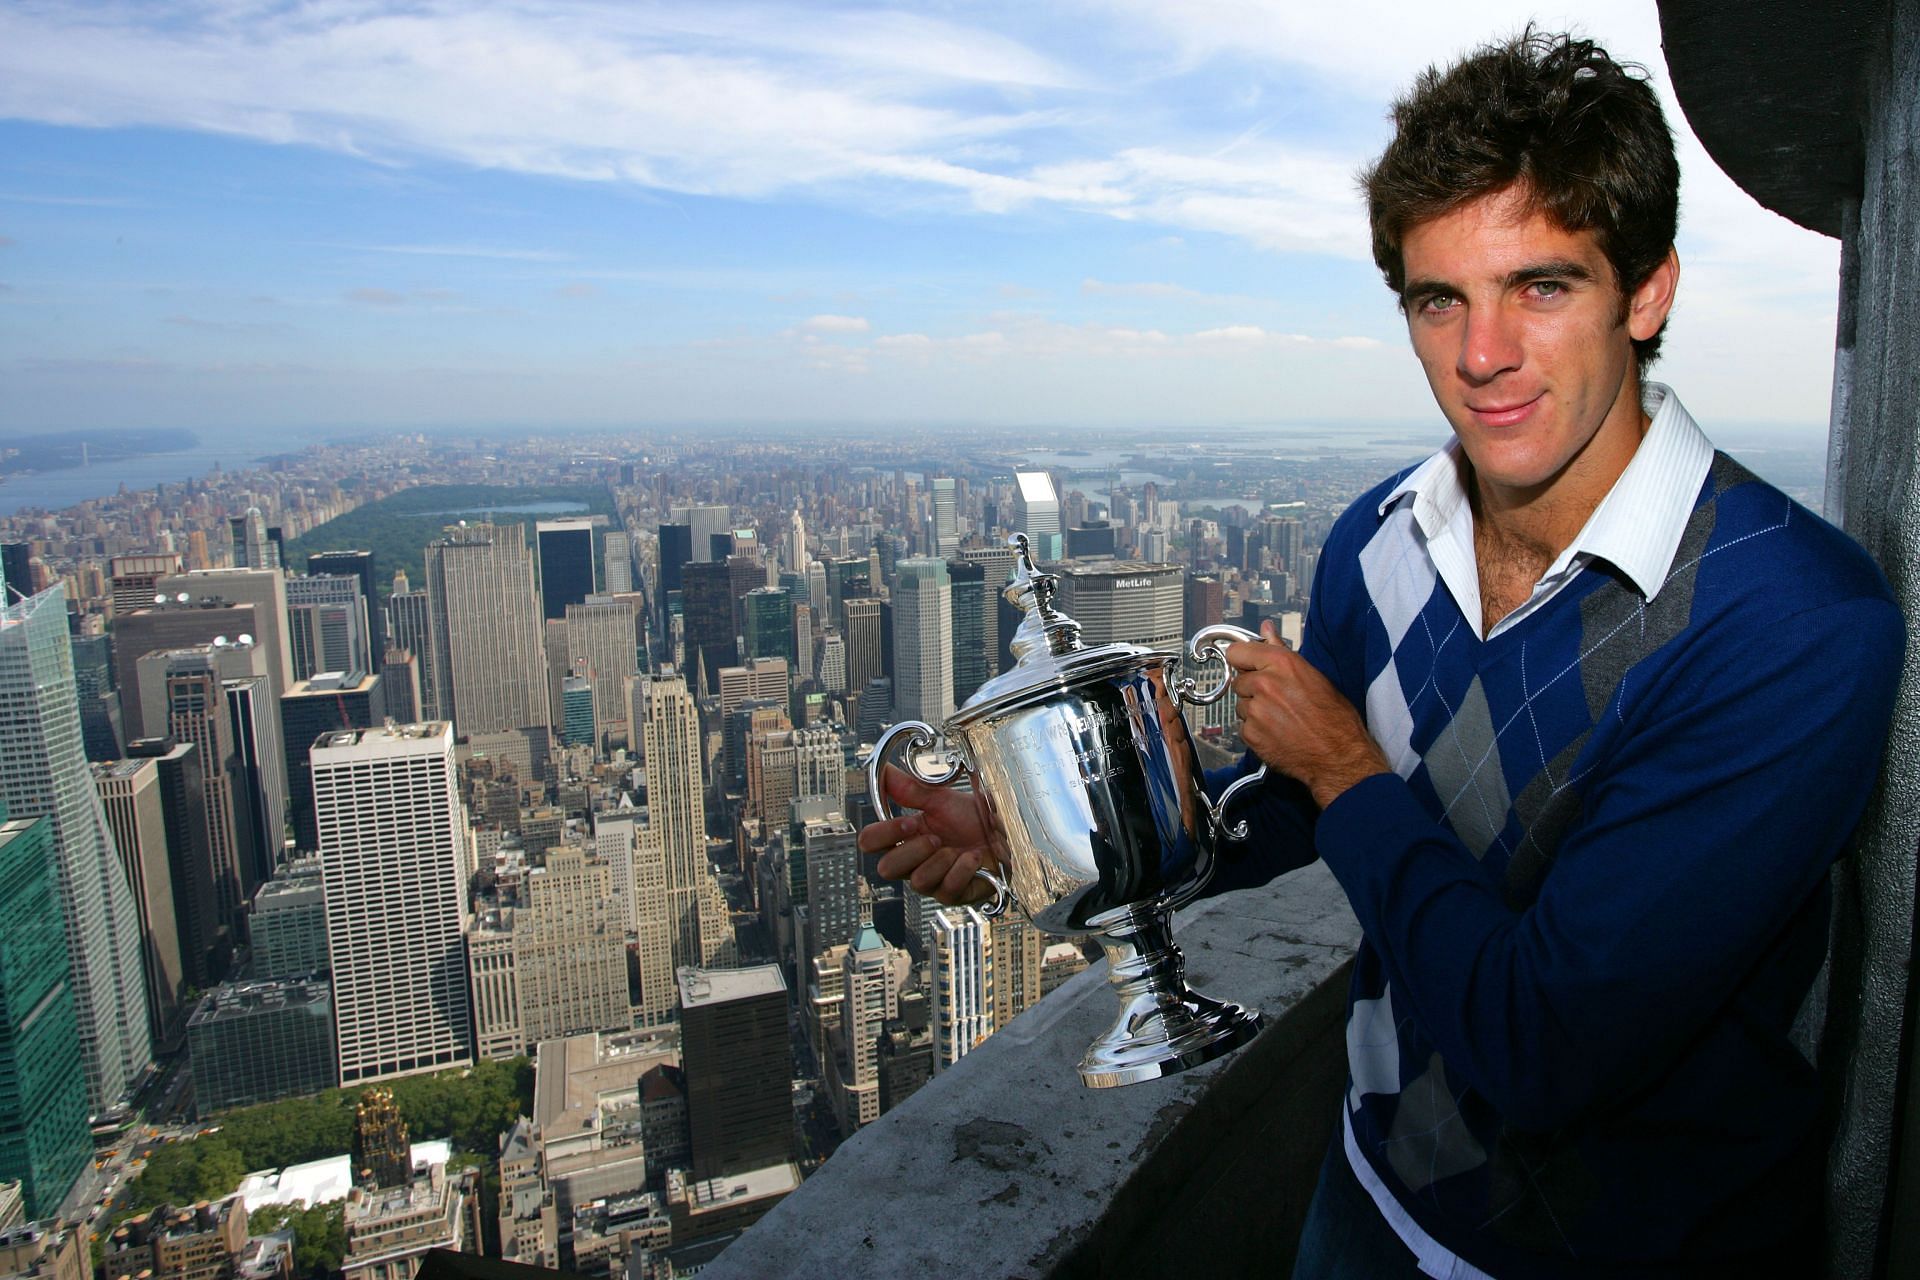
{"x": 1279, "y": 812}
{"x": 1736, "y": 785}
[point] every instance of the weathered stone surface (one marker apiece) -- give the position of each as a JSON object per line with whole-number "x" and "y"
{"x": 1007, "y": 1166}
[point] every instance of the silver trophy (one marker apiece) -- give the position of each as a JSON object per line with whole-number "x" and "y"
{"x": 1096, "y": 816}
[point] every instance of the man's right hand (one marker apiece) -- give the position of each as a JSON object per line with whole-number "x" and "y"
{"x": 938, "y": 849}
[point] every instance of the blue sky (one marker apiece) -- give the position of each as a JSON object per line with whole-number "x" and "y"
{"x": 356, "y": 214}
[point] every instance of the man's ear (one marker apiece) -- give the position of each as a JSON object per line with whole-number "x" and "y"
{"x": 1648, "y": 307}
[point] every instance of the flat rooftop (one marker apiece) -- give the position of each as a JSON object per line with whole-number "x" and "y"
{"x": 717, "y": 986}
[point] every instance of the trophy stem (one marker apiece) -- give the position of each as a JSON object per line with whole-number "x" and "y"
{"x": 1164, "y": 1026}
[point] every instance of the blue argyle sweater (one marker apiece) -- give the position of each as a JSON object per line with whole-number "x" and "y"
{"x": 1595, "y": 891}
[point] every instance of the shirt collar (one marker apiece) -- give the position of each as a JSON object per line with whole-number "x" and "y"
{"x": 1636, "y": 528}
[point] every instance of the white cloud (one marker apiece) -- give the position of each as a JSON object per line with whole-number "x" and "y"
{"x": 837, "y": 324}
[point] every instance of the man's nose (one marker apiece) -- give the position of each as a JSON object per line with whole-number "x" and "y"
{"x": 1489, "y": 343}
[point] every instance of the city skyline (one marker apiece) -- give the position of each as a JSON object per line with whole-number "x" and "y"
{"x": 358, "y": 217}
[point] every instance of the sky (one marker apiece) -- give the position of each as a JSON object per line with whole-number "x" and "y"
{"x": 363, "y": 214}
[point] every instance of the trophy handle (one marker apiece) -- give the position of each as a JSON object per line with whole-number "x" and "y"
{"x": 1207, "y": 644}
{"x": 920, "y": 735}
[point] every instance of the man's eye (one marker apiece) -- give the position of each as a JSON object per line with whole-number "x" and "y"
{"x": 1436, "y": 303}
{"x": 1548, "y": 288}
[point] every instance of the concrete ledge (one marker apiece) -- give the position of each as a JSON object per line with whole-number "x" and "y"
{"x": 1006, "y": 1166}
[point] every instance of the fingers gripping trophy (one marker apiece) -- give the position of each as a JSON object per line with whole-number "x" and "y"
{"x": 1085, "y": 783}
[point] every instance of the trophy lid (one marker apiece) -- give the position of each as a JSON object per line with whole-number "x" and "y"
{"x": 1048, "y": 655}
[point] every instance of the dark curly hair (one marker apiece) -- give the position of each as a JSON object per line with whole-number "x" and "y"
{"x": 1579, "y": 135}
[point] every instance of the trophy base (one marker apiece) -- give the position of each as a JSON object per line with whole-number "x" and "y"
{"x": 1163, "y": 1026}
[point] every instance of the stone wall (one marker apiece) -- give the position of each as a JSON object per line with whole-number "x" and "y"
{"x": 1007, "y": 1166}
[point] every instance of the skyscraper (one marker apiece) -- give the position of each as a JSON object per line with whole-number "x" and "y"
{"x": 707, "y": 607}
{"x": 360, "y": 565}
{"x": 963, "y": 980}
{"x": 327, "y": 703}
{"x": 603, "y": 632}
{"x": 566, "y": 562}
{"x": 676, "y": 552}
{"x": 182, "y": 689}
{"x": 769, "y": 618}
{"x": 946, "y": 527}
{"x": 733, "y": 1035}
{"x": 569, "y": 949}
{"x": 266, "y": 590}
{"x": 43, "y": 771}
{"x": 204, "y": 941}
{"x": 923, "y": 641}
{"x": 392, "y": 840}
{"x": 16, "y": 569}
{"x": 703, "y": 523}
{"x": 411, "y": 628}
{"x": 794, "y": 553}
{"x": 130, "y": 797}
{"x": 862, "y": 641}
{"x": 327, "y": 624}
{"x": 576, "y": 712}
{"x": 486, "y": 633}
{"x": 676, "y": 816}
{"x": 1126, "y": 601}
{"x": 973, "y": 604}
{"x": 1036, "y": 513}
{"x": 617, "y": 578}
{"x": 44, "y": 1141}
{"x": 870, "y": 997}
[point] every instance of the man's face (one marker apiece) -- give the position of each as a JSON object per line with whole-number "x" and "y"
{"x": 1521, "y": 329}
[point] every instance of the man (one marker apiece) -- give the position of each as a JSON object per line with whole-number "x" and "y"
{"x": 1584, "y": 714}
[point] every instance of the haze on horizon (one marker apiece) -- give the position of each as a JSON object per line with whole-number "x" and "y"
{"x": 355, "y": 216}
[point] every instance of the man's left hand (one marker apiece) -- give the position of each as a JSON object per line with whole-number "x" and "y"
{"x": 1294, "y": 719}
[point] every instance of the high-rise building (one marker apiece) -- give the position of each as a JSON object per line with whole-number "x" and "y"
{"x": 769, "y": 618}
{"x": 266, "y": 590}
{"x": 576, "y": 712}
{"x": 185, "y": 687}
{"x": 707, "y": 608}
{"x": 173, "y": 624}
{"x": 946, "y": 525}
{"x": 1126, "y": 602}
{"x": 703, "y": 523}
{"x": 289, "y": 923}
{"x": 733, "y": 1037}
{"x": 829, "y": 851}
{"x": 16, "y": 569}
{"x": 327, "y": 624}
{"x": 864, "y": 660}
{"x": 676, "y": 814}
{"x": 43, "y": 771}
{"x": 569, "y": 949}
{"x": 44, "y": 1142}
{"x": 1036, "y": 513}
{"x": 358, "y": 564}
{"x": 411, "y": 628}
{"x": 204, "y": 941}
{"x": 254, "y": 547}
{"x": 973, "y": 609}
{"x": 130, "y": 798}
{"x": 676, "y": 553}
{"x": 831, "y": 671}
{"x": 603, "y": 633}
{"x": 330, "y": 701}
{"x": 1018, "y": 949}
{"x": 495, "y": 986}
{"x": 135, "y": 580}
{"x": 392, "y": 837}
{"x": 486, "y": 632}
{"x": 794, "y": 552}
{"x": 566, "y": 562}
{"x": 923, "y": 641}
{"x": 261, "y": 1040}
{"x": 871, "y": 975}
{"x": 617, "y": 577}
{"x": 963, "y": 982}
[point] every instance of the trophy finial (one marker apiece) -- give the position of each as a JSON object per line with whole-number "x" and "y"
{"x": 1043, "y": 628}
